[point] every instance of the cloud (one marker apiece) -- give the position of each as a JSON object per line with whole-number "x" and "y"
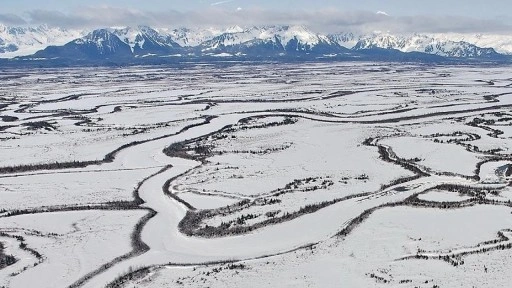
{"x": 92, "y": 17}
{"x": 323, "y": 20}
{"x": 12, "y": 19}
{"x": 221, "y": 2}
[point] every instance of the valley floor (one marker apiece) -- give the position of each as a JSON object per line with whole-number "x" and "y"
{"x": 304, "y": 175}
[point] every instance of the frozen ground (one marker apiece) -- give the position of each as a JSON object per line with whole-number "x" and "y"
{"x": 310, "y": 175}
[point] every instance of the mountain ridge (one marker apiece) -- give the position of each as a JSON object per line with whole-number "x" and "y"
{"x": 235, "y": 41}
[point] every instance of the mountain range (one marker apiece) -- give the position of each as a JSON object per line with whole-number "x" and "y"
{"x": 143, "y": 42}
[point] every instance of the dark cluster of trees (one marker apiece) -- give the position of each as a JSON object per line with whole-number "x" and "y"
{"x": 5, "y": 127}
{"x": 466, "y": 190}
{"x": 119, "y": 205}
{"x": 9, "y": 259}
{"x": 478, "y": 198}
{"x": 138, "y": 245}
{"x": 474, "y": 148}
{"x": 469, "y": 137}
{"x": 132, "y": 275}
{"x": 23, "y": 246}
{"x": 40, "y": 125}
{"x": 193, "y": 219}
{"x": 433, "y": 91}
{"x": 48, "y": 166}
{"x": 256, "y": 152}
{"x": 136, "y": 131}
{"x": 477, "y": 121}
{"x": 456, "y": 259}
{"x": 5, "y": 260}
{"x": 399, "y": 181}
{"x": 222, "y": 136}
{"x": 363, "y": 177}
{"x": 179, "y": 150}
{"x": 272, "y": 214}
{"x": 192, "y": 222}
{"x": 484, "y": 124}
{"x": 267, "y": 201}
{"x": 242, "y": 219}
{"x": 378, "y": 278}
{"x": 203, "y": 150}
{"x": 387, "y": 155}
{"x": 9, "y": 118}
{"x": 244, "y": 124}
{"x": 358, "y": 220}
{"x": 298, "y": 186}
{"x": 234, "y": 266}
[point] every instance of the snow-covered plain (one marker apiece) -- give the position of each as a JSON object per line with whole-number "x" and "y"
{"x": 310, "y": 175}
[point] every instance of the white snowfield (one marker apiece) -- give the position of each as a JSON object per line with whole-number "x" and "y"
{"x": 311, "y": 175}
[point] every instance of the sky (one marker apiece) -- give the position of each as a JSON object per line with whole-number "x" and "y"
{"x": 472, "y": 16}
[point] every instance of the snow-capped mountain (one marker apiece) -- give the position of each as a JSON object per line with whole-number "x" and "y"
{"x": 98, "y": 44}
{"x": 16, "y": 41}
{"x": 236, "y": 41}
{"x": 274, "y": 38}
{"x": 414, "y": 43}
{"x": 346, "y": 39}
{"x": 145, "y": 40}
{"x": 499, "y": 42}
{"x": 192, "y": 37}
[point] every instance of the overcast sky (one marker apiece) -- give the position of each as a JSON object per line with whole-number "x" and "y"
{"x": 473, "y": 16}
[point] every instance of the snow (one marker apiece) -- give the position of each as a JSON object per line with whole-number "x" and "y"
{"x": 191, "y": 37}
{"x": 268, "y": 33}
{"x": 23, "y": 41}
{"x": 130, "y": 36}
{"x": 80, "y": 187}
{"x": 310, "y": 149}
{"x": 438, "y": 44}
{"x": 222, "y": 55}
{"x": 438, "y": 157}
{"x": 28, "y": 40}
{"x": 317, "y": 136}
{"x": 443, "y": 196}
{"x": 494, "y": 172}
{"x": 201, "y": 201}
{"x": 502, "y": 43}
{"x": 83, "y": 241}
{"x": 373, "y": 248}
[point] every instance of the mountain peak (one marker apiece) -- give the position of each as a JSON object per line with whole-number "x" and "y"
{"x": 265, "y": 40}
{"x": 234, "y": 29}
{"x": 97, "y": 36}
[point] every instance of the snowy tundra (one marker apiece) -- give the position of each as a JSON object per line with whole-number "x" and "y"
{"x": 237, "y": 175}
